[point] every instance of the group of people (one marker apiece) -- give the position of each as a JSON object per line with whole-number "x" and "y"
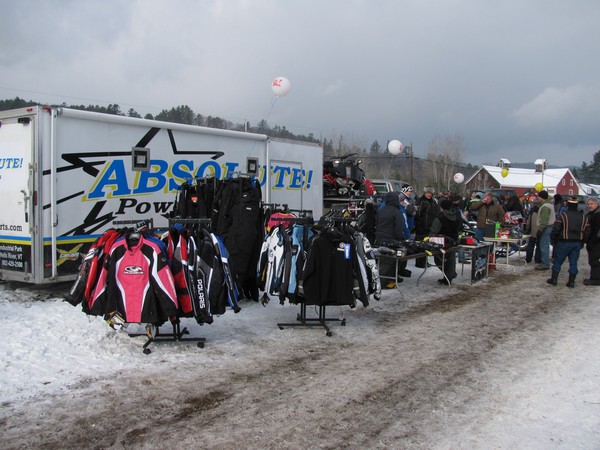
{"x": 548, "y": 220}
{"x": 400, "y": 216}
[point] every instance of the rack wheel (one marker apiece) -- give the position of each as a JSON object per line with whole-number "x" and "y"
{"x": 343, "y": 324}
{"x": 147, "y": 351}
{"x": 281, "y": 328}
{"x": 329, "y": 333}
{"x": 200, "y": 344}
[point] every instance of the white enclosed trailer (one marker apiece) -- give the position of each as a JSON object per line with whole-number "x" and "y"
{"x": 67, "y": 175}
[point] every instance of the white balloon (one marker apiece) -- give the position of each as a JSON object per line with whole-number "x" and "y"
{"x": 281, "y": 86}
{"x": 459, "y": 178}
{"x": 395, "y": 147}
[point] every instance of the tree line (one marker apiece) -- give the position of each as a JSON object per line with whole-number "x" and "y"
{"x": 443, "y": 155}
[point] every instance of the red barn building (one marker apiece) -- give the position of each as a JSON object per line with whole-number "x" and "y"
{"x": 555, "y": 181}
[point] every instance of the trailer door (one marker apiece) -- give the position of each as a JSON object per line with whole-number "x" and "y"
{"x": 16, "y": 148}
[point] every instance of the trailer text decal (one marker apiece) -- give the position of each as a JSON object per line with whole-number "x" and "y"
{"x": 114, "y": 180}
{"x": 11, "y": 163}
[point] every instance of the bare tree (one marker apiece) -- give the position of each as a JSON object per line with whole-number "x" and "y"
{"x": 444, "y": 155}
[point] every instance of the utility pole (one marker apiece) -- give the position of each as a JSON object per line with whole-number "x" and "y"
{"x": 411, "y": 164}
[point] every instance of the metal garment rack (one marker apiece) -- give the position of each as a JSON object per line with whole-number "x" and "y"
{"x": 154, "y": 335}
{"x": 301, "y": 319}
{"x": 152, "y": 330}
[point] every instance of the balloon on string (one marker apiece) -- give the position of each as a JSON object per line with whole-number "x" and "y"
{"x": 395, "y": 147}
{"x": 504, "y": 173}
{"x": 459, "y": 178}
{"x": 539, "y": 187}
{"x": 281, "y": 86}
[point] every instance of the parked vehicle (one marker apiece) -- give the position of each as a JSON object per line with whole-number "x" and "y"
{"x": 383, "y": 186}
{"x": 497, "y": 193}
{"x": 67, "y": 175}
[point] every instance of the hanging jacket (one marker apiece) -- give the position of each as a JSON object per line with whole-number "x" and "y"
{"x": 176, "y": 244}
{"x": 87, "y": 278}
{"x": 328, "y": 273}
{"x": 136, "y": 282}
{"x": 271, "y": 262}
{"x": 198, "y": 276}
{"x": 365, "y": 251}
{"x": 301, "y": 234}
{"x": 232, "y": 289}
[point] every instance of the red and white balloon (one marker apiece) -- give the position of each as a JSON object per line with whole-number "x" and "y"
{"x": 281, "y": 86}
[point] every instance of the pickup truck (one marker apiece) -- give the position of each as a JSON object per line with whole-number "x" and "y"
{"x": 383, "y": 186}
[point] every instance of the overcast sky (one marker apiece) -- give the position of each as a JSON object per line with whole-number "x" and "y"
{"x": 518, "y": 79}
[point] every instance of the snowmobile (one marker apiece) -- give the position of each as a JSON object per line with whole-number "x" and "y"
{"x": 342, "y": 177}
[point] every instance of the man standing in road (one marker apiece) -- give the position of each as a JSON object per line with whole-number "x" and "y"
{"x": 569, "y": 232}
{"x": 546, "y": 218}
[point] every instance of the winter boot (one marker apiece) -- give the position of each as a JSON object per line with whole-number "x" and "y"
{"x": 554, "y": 280}
{"x": 571, "y": 282}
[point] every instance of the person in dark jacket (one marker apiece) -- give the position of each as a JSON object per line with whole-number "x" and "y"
{"x": 427, "y": 210}
{"x": 593, "y": 243}
{"x": 446, "y": 224}
{"x": 569, "y": 231}
{"x": 391, "y": 226}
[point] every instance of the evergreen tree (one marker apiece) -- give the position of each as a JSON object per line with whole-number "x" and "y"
{"x": 375, "y": 148}
{"x": 215, "y": 122}
{"x": 263, "y": 127}
{"x": 590, "y": 173}
{"x": 133, "y": 113}
{"x": 15, "y": 103}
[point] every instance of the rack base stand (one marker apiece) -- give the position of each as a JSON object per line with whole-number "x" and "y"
{"x": 153, "y": 334}
{"x": 303, "y": 321}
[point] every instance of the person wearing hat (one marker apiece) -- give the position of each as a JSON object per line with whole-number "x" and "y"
{"x": 593, "y": 242}
{"x": 569, "y": 231}
{"x": 427, "y": 210}
{"x": 546, "y": 218}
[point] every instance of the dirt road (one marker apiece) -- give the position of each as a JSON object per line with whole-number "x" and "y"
{"x": 411, "y": 375}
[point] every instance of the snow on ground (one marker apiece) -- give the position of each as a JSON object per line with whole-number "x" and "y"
{"x": 547, "y": 397}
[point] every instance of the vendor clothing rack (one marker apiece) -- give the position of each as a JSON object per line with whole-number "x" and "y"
{"x": 153, "y": 330}
{"x": 302, "y": 320}
{"x": 153, "y": 333}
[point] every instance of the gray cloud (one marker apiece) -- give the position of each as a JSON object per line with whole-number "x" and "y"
{"x": 516, "y": 79}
